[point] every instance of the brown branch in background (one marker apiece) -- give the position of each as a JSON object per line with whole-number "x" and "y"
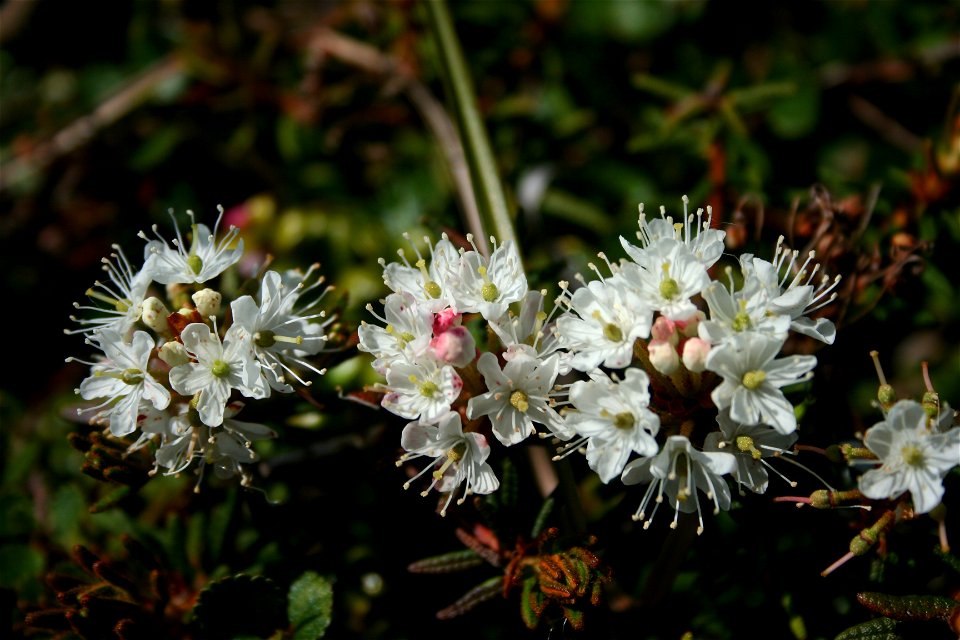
{"x": 13, "y": 15}
{"x": 79, "y": 132}
{"x": 888, "y": 128}
{"x": 363, "y": 56}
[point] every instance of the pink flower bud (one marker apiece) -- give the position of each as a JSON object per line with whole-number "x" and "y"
{"x": 695, "y": 353}
{"x": 444, "y": 320}
{"x": 664, "y": 330}
{"x": 663, "y": 356}
{"x": 454, "y": 346}
{"x": 688, "y": 328}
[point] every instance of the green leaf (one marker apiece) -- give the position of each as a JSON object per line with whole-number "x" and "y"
{"x": 309, "y": 606}
{"x": 241, "y": 604}
{"x": 879, "y": 629}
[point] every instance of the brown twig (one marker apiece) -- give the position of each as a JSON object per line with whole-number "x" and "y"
{"x": 358, "y": 54}
{"x": 82, "y": 130}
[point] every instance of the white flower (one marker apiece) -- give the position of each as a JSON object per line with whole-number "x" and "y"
{"x": 669, "y": 276}
{"x": 206, "y": 258}
{"x": 733, "y": 313}
{"x": 279, "y": 334}
{"x": 405, "y": 336}
{"x": 179, "y": 444}
{"x": 608, "y": 319}
{"x": 678, "y": 471}
{"x": 752, "y": 379}
{"x": 458, "y": 457}
{"x": 532, "y": 331}
{"x": 704, "y": 243}
{"x": 486, "y": 286}
{"x": 428, "y": 285}
{"x": 518, "y": 396}
{"x": 750, "y": 444}
{"x": 220, "y": 368}
{"x": 124, "y": 380}
{"x": 915, "y": 456}
{"x": 230, "y": 445}
{"x": 422, "y": 391}
{"x": 124, "y": 294}
{"x": 793, "y": 293}
{"x": 612, "y": 418}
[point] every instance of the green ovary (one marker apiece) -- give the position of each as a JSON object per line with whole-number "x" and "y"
{"x": 753, "y": 379}
{"x": 132, "y": 376}
{"x": 195, "y": 263}
{"x": 624, "y": 420}
{"x": 912, "y": 455}
{"x": 520, "y": 401}
{"x": 220, "y": 369}
{"x": 428, "y": 389}
{"x": 612, "y": 332}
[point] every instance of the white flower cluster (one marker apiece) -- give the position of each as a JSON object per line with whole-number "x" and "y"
{"x": 171, "y": 375}
{"x": 655, "y": 364}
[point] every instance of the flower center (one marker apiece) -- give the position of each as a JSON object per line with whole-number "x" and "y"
{"x": 520, "y": 401}
{"x": 745, "y": 444}
{"x": 195, "y": 263}
{"x": 669, "y": 288}
{"x": 428, "y": 389}
{"x": 132, "y": 376}
{"x": 624, "y": 420}
{"x": 431, "y": 287}
{"x": 753, "y": 379}
{"x": 264, "y": 339}
{"x": 454, "y": 455}
{"x": 912, "y": 455}
{"x": 488, "y": 291}
{"x": 220, "y": 368}
{"x": 741, "y": 321}
{"x": 612, "y": 332}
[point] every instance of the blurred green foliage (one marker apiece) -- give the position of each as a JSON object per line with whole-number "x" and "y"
{"x": 304, "y": 120}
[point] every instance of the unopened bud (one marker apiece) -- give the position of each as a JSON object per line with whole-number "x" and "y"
{"x": 454, "y": 346}
{"x": 664, "y": 330}
{"x": 155, "y": 314}
{"x": 695, "y": 353}
{"x": 663, "y": 356}
{"x": 688, "y": 328}
{"x": 173, "y": 353}
{"x": 444, "y": 320}
{"x": 207, "y": 301}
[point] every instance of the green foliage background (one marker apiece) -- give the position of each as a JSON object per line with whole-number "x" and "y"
{"x": 110, "y": 117}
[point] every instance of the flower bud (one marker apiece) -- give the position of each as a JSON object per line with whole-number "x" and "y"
{"x": 688, "y": 328}
{"x": 155, "y": 314}
{"x": 207, "y": 301}
{"x": 695, "y": 353}
{"x": 444, "y": 320}
{"x": 664, "y": 330}
{"x": 454, "y": 346}
{"x": 663, "y": 356}
{"x": 173, "y": 353}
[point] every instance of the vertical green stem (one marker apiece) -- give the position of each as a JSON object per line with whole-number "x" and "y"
{"x": 489, "y": 191}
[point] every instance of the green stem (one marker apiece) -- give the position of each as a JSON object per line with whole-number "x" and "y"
{"x": 488, "y": 189}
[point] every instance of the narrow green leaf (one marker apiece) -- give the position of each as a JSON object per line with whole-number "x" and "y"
{"x": 447, "y": 562}
{"x": 309, "y": 606}
{"x": 487, "y": 186}
{"x": 878, "y": 629}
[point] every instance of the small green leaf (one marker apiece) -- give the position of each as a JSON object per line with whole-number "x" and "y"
{"x": 447, "y": 562}
{"x": 878, "y": 629}
{"x": 309, "y": 606}
{"x": 241, "y": 604}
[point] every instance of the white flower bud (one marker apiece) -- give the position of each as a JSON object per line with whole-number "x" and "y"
{"x": 173, "y": 353}
{"x": 695, "y": 353}
{"x": 663, "y": 356}
{"x": 454, "y": 346}
{"x": 689, "y": 327}
{"x": 207, "y": 301}
{"x": 664, "y": 330}
{"x": 155, "y": 315}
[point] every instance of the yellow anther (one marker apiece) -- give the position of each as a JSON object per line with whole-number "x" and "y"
{"x": 519, "y": 401}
